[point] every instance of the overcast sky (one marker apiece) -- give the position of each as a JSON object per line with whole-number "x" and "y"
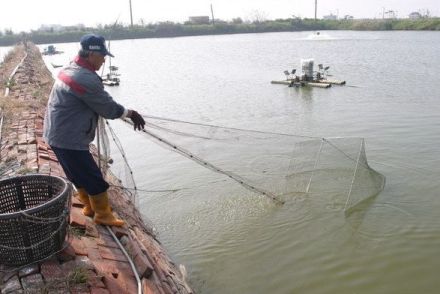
{"x": 24, "y": 15}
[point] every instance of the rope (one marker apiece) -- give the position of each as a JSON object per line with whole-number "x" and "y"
{"x": 124, "y": 157}
{"x": 229, "y": 128}
{"x": 145, "y": 190}
{"x": 241, "y": 130}
{"x": 175, "y": 148}
{"x": 354, "y": 176}
{"x": 210, "y": 166}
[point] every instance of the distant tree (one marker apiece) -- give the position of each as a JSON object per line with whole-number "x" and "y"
{"x": 237, "y": 20}
{"x": 426, "y": 13}
{"x": 9, "y": 32}
{"x": 258, "y": 16}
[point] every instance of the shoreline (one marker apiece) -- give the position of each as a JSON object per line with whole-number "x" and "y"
{"x": 173, "y": 30}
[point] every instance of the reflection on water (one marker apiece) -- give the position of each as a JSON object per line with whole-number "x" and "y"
{"x": 3, "y": 52}
{"x": 235, "y": 242}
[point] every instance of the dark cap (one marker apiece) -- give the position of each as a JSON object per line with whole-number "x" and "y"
{"x": 96, "y": 43}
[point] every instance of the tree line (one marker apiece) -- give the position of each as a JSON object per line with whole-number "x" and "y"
{"x": 236, "y": 26}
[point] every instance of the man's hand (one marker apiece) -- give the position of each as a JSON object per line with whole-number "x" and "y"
{"x": 137, "y": 119}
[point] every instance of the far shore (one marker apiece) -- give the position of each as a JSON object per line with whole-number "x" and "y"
{"x": 237, "y": 26}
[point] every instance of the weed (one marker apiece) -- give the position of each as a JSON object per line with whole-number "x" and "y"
{"x": 77, "y": 276}
{"x": 77, "y": 232}
{"x": 25, "y": 170}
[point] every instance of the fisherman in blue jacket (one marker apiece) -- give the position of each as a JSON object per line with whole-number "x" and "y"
{"x": 76, "y": 101}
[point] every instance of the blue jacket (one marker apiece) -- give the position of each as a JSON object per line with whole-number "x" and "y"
{"x": 76, "y": 101}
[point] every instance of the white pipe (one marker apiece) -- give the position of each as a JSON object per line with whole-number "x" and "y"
{"x": 12, "y": 75}
{"x": 133, "y": 268}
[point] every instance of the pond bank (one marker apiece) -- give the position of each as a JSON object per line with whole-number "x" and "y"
{"x": 91, "y": 261}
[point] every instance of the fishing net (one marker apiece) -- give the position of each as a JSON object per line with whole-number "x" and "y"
{"x": 123, "y": 170}
{"x": 275, "y": 165}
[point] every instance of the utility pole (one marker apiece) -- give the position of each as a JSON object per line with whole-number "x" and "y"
{"x": 212, "y": 15}
{"x": 131, "y": 15}
{"x": 316, "y": 8}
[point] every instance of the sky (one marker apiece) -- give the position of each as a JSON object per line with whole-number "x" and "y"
{"x": 24, "y": 15}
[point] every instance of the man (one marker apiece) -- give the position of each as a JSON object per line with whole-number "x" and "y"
{"x": 76, "y": 101}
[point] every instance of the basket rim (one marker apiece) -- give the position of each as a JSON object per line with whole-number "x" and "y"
{"x": 38, "y": 207}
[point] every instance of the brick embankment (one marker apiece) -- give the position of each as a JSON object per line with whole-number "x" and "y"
{"x": 91, "y": 261}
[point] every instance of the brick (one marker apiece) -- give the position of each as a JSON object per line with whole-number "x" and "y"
{"x": 171, "y": 283}
{"x": 103, "y": 231}
{"x": 132, "y": 248}
{"x": 91, "y": 229}
{"x": 78, "y": 246}
{"x": 57, "y": 291}
{"x": 52, "y": 271}
{"x": 77, "y": 219}
{"x": 93, "y": 254}
{"x": 112, "y": 254}
{"x": 84, "y": 262}
{"x": 99, "y": 291}
{"x": 143, "y": 266}
{"x": 140, "y": 260}
{"x": 120, "y": 232}
{"x": 12, "y": 286}
{"x": 94, "y": 281}
{"x": 7, "y": 276}
{"x": 130, "y": 282}
{"x": 114, "y": 285}
{"x": 41, "y": 155}
{"x": 148, "y": 287}
{"x": 107, "y": 241}
{"x": 56, "y": 287}
{"x": 73, "y": 265}
{"x": 67, "y": 254}
{"x": 79, "y": 289}
{"x": 106, "y": 266}
{"x": 32, "y": 283}
{"x": 76, "y": 202}
{"x": 89, "y": 242}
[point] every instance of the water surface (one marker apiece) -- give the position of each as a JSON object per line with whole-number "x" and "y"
{"x": 232, "y": 243}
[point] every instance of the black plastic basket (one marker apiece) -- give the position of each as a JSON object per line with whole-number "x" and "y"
{"x": 34, "y": 213}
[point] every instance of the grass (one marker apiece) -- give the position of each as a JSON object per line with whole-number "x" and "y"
{"x": 78, "y": 275}
{"x": 25, "y": 170}
{"x": 77, "y": 232}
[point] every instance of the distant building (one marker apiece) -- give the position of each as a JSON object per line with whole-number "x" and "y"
{"x": 330, "y": 16}
{"x": 199, "y": 19}
{"x": 347, "y": 17}
{"x": 60, "y": 28}
{"x": 415, "y": 15}
{"x": 51, "y": 28}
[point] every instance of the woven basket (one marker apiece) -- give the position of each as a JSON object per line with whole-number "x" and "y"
{"x": 34, "y": 213}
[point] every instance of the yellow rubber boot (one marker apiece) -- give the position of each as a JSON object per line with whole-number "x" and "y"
{"x": 103, "y": 212}
{"x": 84, "y": 198}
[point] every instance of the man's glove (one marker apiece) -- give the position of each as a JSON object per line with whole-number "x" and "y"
{"x": 137, "y": 119}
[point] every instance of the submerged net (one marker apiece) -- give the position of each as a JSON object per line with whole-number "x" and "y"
{"x": 275, "y": 165}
